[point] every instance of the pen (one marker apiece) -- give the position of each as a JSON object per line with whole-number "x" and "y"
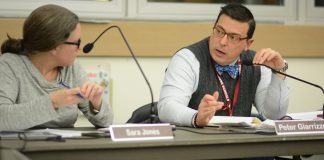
{"x": 68, "y": 87}
{"x": 95, "y": 134}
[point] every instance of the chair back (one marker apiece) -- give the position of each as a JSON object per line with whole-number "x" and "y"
{"x": 144, "y": 115}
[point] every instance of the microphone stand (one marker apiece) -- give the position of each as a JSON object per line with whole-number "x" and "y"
{"x": 89, "y": 46}
{"x": 298, "y": 79}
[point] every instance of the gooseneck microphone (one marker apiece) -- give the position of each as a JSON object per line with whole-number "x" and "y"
{"x": 249, "y": 63}
{"x": 88, "y": 47}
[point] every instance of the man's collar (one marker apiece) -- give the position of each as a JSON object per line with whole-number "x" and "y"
{"x": 235, "y": 61}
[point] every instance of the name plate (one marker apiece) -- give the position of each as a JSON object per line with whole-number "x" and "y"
{"x": 134, "y": 132}
{"x": 299, "y": 127}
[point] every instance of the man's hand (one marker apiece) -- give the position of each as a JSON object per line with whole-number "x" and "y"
{"x": 270, "y": 58}
{"x": 207, "y": 108}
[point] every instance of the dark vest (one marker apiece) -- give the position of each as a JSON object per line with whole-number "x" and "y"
{"x": 208, "y": 82}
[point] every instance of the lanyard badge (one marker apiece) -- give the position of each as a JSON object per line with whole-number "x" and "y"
{"x": 229, "y": 103}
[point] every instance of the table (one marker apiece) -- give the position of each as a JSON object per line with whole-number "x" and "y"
{"x": 185, "y": 145}
{"x": 12, "y": 155}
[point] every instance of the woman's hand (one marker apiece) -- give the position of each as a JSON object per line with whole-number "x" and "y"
{"x": 92, "y": 92}
{"x": 65, "y": 97}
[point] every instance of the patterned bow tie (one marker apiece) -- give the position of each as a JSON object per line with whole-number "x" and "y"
{"x": 232, "y": 70}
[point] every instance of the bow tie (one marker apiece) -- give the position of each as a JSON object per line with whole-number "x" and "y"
{"x": 232, "y": 70}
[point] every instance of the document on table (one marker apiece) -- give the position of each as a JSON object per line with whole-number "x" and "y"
{"x": 61, "y": 132}
{"x": 243, "y": 124}
{"x": 27, "y": 135}
{"x": 64, "y": 133}
{"x": 305, "y": 115}
{"x": 234, "y": 121}
{"x": 254, "y": 125}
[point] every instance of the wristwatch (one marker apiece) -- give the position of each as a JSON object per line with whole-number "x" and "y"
{"x": 285, "y": 67}
{"x": 95, "y": 111}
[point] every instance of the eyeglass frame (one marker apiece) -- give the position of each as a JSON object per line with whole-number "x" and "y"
{"x": 228, "y": 35}
{"x": 73, "y": 43}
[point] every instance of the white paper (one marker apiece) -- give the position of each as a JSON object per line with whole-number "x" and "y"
{"x": 234, "y": 121}
{"x": 305, "y": 115}
{"x": 63, "y": 133}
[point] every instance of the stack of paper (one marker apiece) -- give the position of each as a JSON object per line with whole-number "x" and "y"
{"x": 243, "y": 124}
{"x": 234, "y": 121}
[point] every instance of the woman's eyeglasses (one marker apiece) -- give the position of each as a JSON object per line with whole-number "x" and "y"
{"x": 74, "y": 43}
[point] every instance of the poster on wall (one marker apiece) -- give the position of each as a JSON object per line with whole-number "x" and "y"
{"x": 100, "y": 75}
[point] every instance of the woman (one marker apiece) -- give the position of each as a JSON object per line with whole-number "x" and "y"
{"x": 41, "y": 84}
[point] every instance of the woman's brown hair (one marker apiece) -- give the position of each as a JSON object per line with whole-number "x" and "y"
{"x": 44, "y": 29}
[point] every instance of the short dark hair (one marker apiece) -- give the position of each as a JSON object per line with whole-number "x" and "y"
{"x": 240, "y": 13}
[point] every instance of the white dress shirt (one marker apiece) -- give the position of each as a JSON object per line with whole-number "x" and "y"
{"x": 181, "y": 81}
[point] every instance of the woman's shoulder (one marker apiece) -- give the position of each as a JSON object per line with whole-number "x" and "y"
{"x": 72, "y": 70}
{"x": 73, "y": 67}
{"x": 11, "y": 64}
{"x": 10, "y": 57}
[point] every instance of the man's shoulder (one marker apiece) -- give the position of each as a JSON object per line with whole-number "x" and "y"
{"x": 199, "y": 43}
{"x": 184, "y": 54}
{"x": 247, "y": 55}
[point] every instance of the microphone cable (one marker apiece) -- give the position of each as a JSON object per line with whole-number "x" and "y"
{"x": 88, "y": 47}
{"x": 249, "y": 63}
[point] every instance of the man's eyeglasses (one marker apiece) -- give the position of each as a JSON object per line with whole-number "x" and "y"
{"x": 74, "y": 43}
{"x": 232, "y": 37}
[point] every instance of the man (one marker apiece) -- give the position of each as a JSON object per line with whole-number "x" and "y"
{"x": 198, "y": 85}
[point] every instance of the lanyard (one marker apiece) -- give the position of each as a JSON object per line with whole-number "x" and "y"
{"x": 229, "y": 104}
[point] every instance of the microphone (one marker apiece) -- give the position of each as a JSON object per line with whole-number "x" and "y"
{"x": 88, "y": 47}
{"x": 249, "y": 63}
